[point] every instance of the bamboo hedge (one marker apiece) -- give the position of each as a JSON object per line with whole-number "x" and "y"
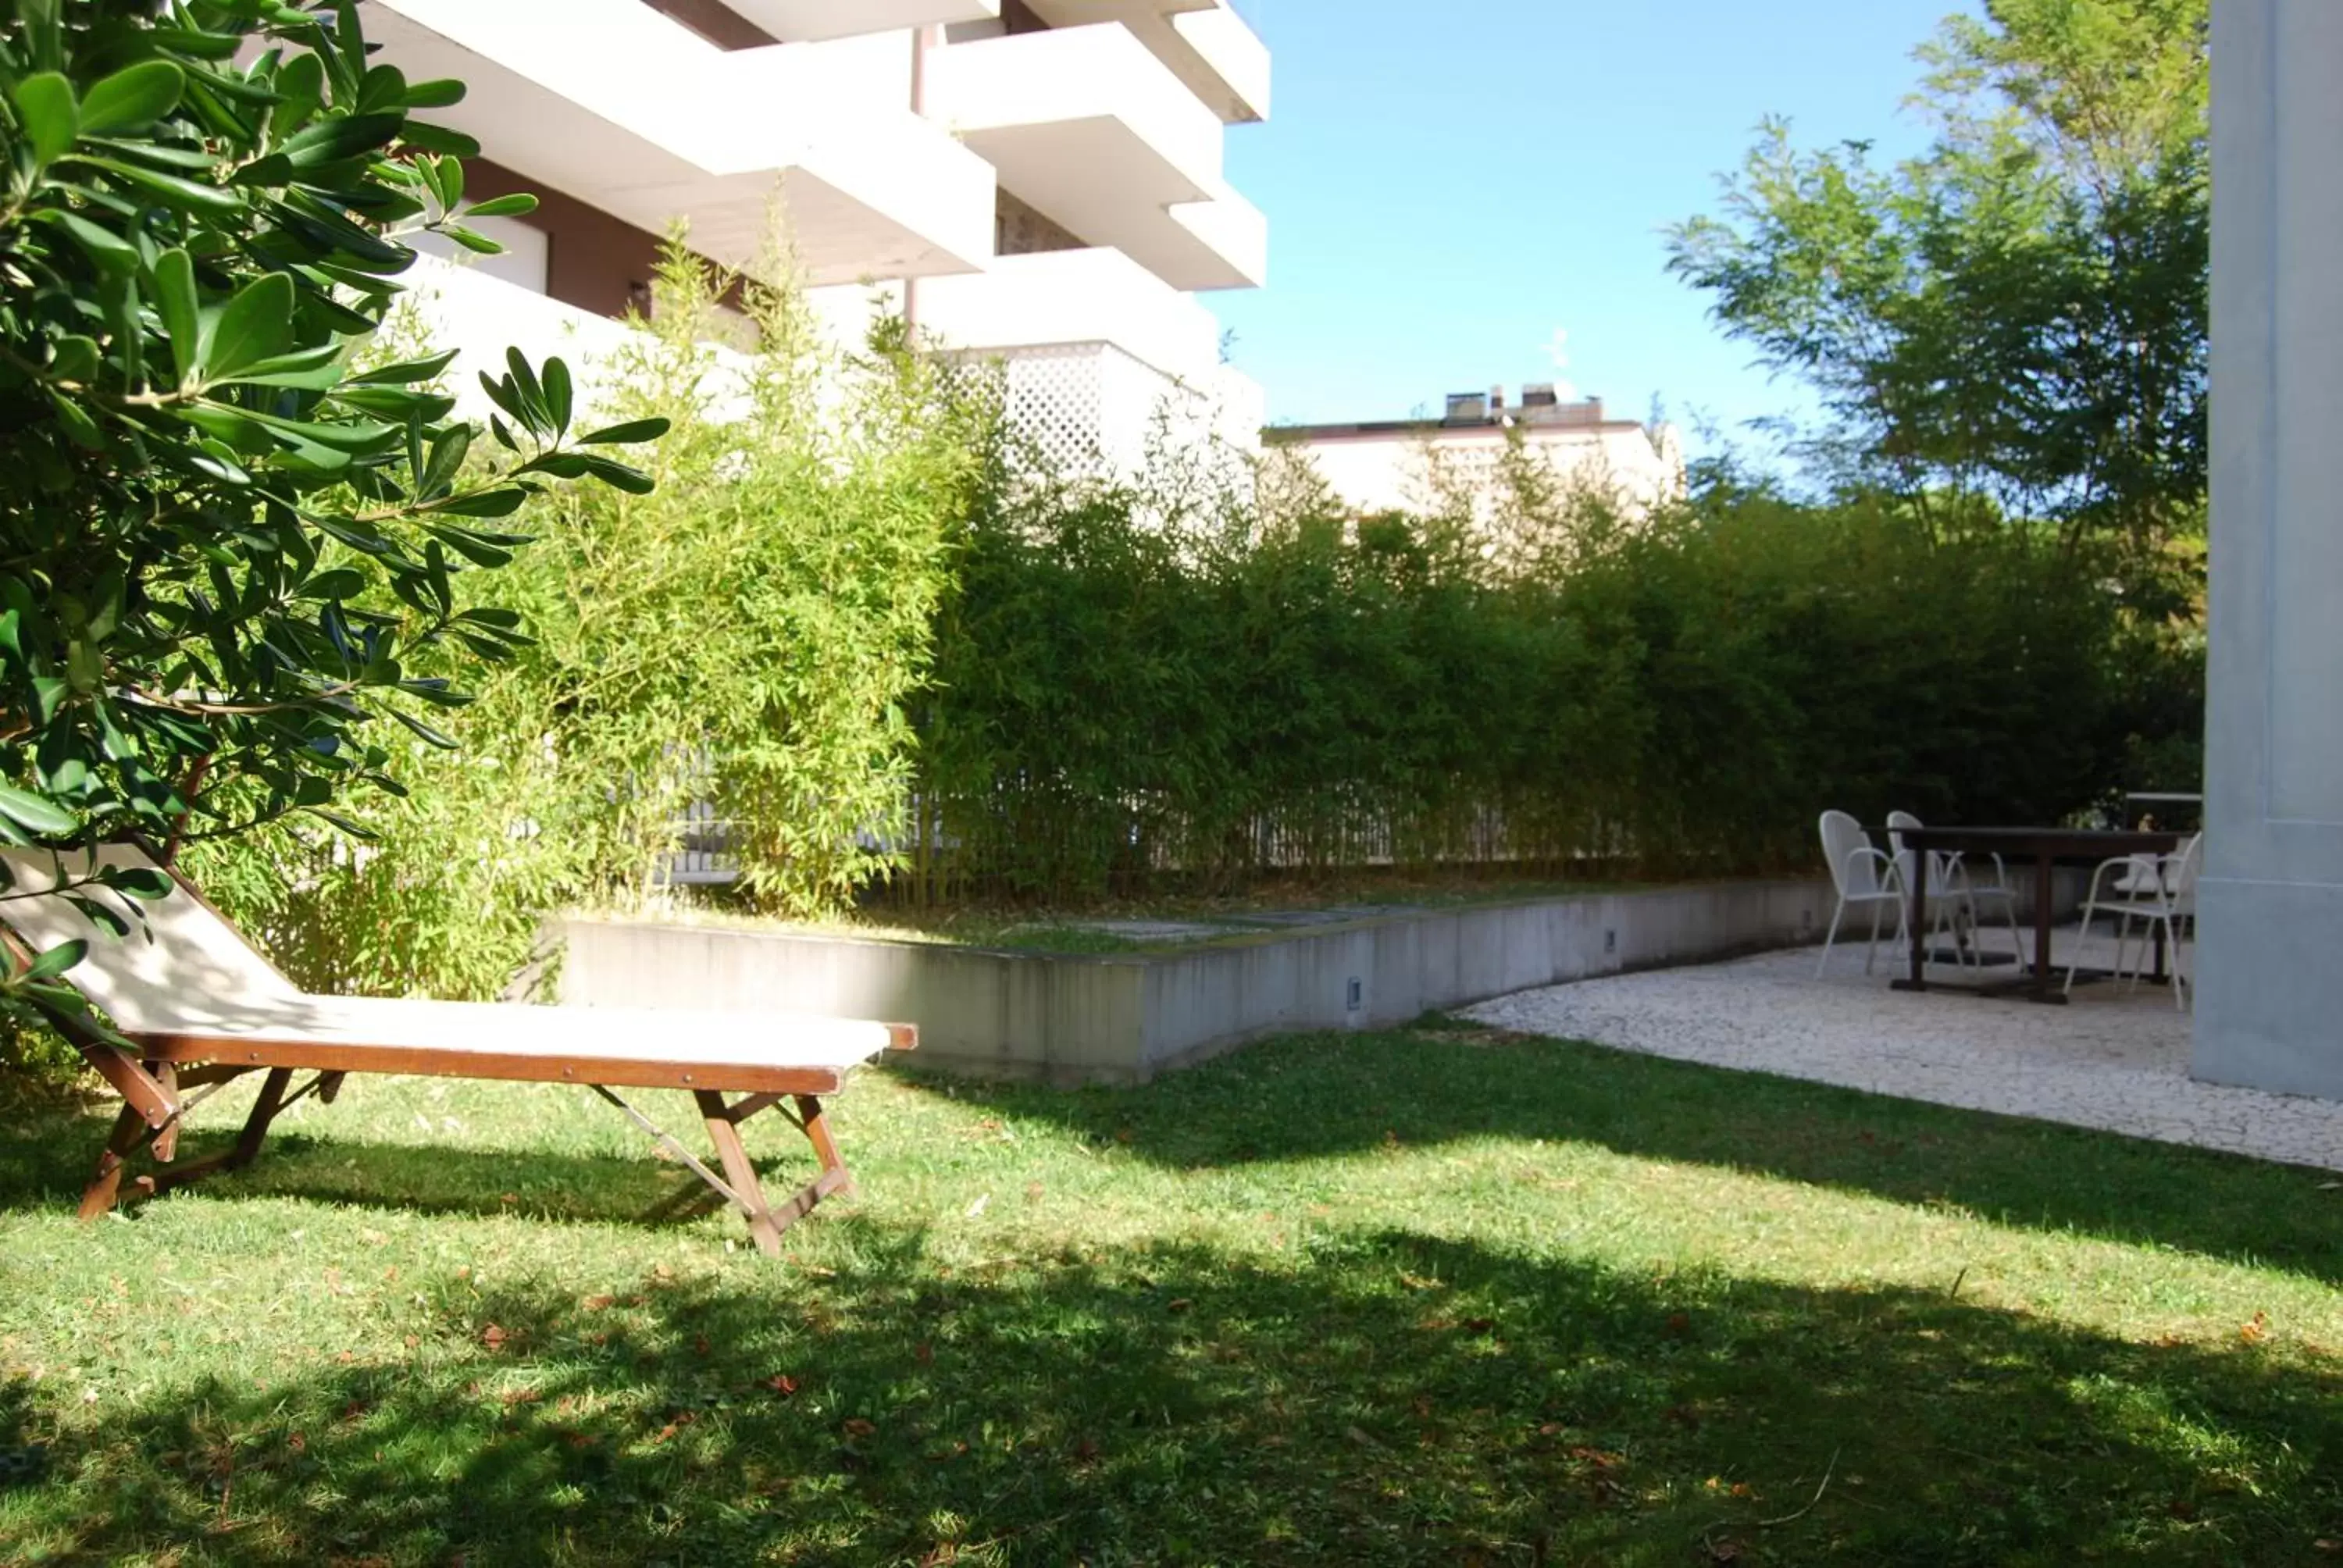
{"x": 1126, "y": 701}
{"x": 893, "y": 658}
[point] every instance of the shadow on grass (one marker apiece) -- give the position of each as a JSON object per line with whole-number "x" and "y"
{"x": 1309, "y": 1097}
{"x": 1391, "y": 1399}
{"x": 53, "y": 1140}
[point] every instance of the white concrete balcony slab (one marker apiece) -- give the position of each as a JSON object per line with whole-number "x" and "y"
{"x": 1232, "y": 232}
{"x": 465, "y": 307}
{"x": 1064, "y": 297}
{"x": 797, "y": 21}
{"x": 611, "y": 103}
{"x": 1207, "y": 44}
{"x": 1091, "y": 129}
{"x": 460, "y": 305}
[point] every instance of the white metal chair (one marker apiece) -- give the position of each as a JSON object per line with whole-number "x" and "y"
{"x": 1862, "y": 874}
{"x": 2141, "y": 876}
{"x": 2162, "y": 893}
{"x": 1962, "y": 891}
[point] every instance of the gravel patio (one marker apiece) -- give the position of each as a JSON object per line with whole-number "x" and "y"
{"x": 2115, "y": 1060}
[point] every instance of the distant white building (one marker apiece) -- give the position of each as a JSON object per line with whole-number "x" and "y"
{"x": 1411, "y": 465}
{"x": 1038, "y": 181}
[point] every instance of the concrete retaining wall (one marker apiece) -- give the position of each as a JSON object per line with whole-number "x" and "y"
{"x": 1123, "y": 1018}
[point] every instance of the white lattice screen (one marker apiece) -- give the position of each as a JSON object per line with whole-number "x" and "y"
{"x": 1092, "y": 409}
{"x": 1053, "y": 401}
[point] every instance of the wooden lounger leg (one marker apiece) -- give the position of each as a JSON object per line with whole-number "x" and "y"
{"x": 166, "y": 1141}
{"x": 811, "y": 1117}
{"x": 157, "y": 1122}
{"x": 272, "y": 1099}
{"x": 256, "y": 1126}
{"x": 833, "y": 1178}
{"x": 739, "y": 1183}
{"x": 130, "y": 1130}
{"x": 740, "y": 1172}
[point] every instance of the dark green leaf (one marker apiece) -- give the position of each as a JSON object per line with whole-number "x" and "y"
{"x": 111, "y": 252}
{"x": 45, "y": 107}
{"x": 432, "y": 138}
{"x": 470, "y": 546}
{"x": 530, "y": 391}
{"x": 314, "y": 369}
{"x": 73, "y": 357}
{"x": 479, "y": 244}
{"x": 356, "y": 535}
{"x": 518, "y": 204}
{"x": 447, "y": 454}
{"x": 365, "y": 439}
{"x": 138, "y": 882}
{"x": 175, "y": 301}
{"x": 255, "y": 324}
{"x": 620, "y": 476}
{"x": 337, "y": 140}
{"x": 395, "y": 402}
{"x": 53, "y": 961}
{"x": 35, "y": 814}
{"x": 409, "y": 370}
{"x": 133, "y": 96}
{"x": 501, "y": 502}
{"x": 170, "y": 189}
{"x": 340, "y": 583}
{"x": 501, "y": 392}
{"x": 441, "y": 94}
{"x": 626, "y": 434}
{"x": 103, "y": 916}
{"x": 557, "y": 394}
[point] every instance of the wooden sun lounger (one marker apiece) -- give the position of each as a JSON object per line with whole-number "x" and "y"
{"x": 201, "y": 1007}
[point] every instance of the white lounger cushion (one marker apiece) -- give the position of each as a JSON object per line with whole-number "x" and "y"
{"x": 197, "y": 978}
{"x": 189, "y": 968}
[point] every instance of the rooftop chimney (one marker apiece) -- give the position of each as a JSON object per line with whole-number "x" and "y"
{"x": 1497, "y": 398}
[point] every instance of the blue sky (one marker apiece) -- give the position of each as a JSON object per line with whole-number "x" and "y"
{"x": 1449, "y": 182}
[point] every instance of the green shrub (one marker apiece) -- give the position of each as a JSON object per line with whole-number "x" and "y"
{"x": 1123, "y": 700}
{"x": 226, "y": 555}
{"x": 747, "y": 634}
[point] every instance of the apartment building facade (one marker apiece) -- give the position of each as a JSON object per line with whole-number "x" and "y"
{"x": 1035, "y": 181}
{"x": 1411, "y": 465}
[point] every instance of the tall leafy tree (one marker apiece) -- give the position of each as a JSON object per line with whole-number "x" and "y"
{"x": 2020, "y": 313}
{"x": 223, "y": 547}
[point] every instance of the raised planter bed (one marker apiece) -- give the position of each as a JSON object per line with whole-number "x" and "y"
{"x": 1122, "y": 1018}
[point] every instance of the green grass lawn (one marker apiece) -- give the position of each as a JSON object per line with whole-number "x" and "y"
{"x": 1021, "y": 928}
{"x": 1433, "y": 1296}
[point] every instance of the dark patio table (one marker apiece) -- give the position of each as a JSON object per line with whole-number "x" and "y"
{"x": 2044, "y": 847}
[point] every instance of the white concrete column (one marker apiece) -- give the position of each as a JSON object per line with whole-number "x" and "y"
{"x": 2269, "y": 1005}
